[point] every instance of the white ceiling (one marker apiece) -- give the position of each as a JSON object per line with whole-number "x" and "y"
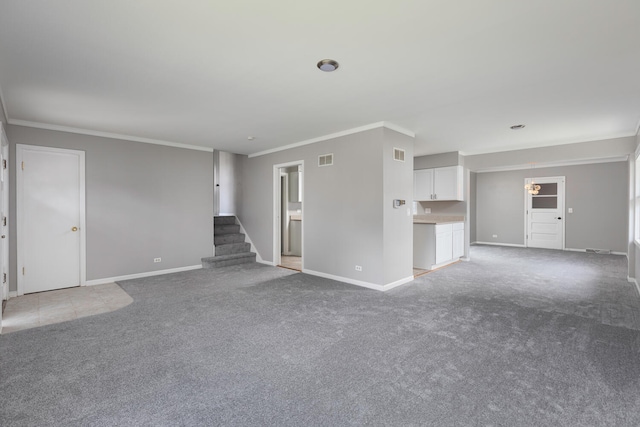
{"x": 211, "y": 73}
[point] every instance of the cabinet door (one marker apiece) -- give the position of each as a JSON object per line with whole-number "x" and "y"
{"x": 447, "y": 183}
{"x": 444, "y": 247}
{"x": 458, "y": 243}
{"x": 423, "y": 184}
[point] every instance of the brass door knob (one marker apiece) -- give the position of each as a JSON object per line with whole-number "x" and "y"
{"x": 74, "y": 228}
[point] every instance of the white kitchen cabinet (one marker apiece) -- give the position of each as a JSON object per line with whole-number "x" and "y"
{"x": 458, "y": 240}
{"x": 438, "y": 184}
{"x": 437, "y": 245}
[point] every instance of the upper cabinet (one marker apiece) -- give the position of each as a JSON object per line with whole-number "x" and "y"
{"x": 438, "y": 184}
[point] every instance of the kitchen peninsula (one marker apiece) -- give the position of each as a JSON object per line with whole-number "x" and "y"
{"x": 438, "y": 240}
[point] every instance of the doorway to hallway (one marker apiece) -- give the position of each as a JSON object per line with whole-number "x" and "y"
{"x": 288, "y": 213}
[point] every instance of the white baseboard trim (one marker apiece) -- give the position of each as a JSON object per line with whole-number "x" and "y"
{"x": 368, "y": 285}
{"x": 499, "y": 244}
{"x": 465, "y": 258}
{"x": 584, "y": 250}
{"x": 261, "y": 261}
{"x": 13, "y": 294}
{"x": 95, "y": 282}
{"x": 226, "y": 214}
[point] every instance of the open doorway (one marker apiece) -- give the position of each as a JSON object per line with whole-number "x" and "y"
{"x": 288, "y": 224}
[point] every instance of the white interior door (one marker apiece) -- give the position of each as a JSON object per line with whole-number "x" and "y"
{"x": 545, "y": 213}
{"x": 50, "y": 189}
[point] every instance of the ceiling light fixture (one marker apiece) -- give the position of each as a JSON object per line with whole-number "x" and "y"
{"x": 516, "y": 127}
{"x": 328, "y": 65}
{"x": 251, "y": 138}
{"x": 531, "y": 187}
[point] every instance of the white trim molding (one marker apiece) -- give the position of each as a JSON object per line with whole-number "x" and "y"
{"x": 553, "y": 164}
{"x": 584, "y": 250}
{"x": 110, "y": 135}
{"x": 95, "y": 282}
{"x": 360, "y": 283}
{"x": 512, "y": 245}
{"x": 371, "y": 126}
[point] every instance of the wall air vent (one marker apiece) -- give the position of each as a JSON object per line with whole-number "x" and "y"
{"x": 398, "y": 154}
{"x": 325, "y": 160}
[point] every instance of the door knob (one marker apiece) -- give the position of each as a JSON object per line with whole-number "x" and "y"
{"x": 74, "y": 228}
{"x": 559, "y": 217}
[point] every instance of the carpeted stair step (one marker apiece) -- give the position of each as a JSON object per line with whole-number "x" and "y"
{"x": 225, "y": 229}
{"x": 233, "y": 248}
{"x": 224, "y": 220}
{"x": 224, "y": 239}
{"x": 226, "y": 260}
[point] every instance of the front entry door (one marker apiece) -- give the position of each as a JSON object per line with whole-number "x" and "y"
{"x": 545, "y": 213}
{"x": 50, "y": 189}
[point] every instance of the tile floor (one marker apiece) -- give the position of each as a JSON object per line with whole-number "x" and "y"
{"x": 45, "y": 308}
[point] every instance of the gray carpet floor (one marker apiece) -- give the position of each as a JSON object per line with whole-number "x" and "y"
{"x": 515, "y": 337}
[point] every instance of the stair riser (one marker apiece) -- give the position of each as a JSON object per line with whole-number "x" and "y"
{"x": 228, "y": 262}
{"x": 224, "y": 239}
{"x": 232, "y": 248}
{"x": 224, "y": 220}
{"x": 225, "y": 229}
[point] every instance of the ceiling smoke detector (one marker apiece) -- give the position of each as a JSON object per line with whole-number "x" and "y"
{"x": 328, "y": 65}
{"x": 516, "y": 127}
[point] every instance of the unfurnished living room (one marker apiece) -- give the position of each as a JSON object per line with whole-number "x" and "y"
{"x": 319, "y": 213}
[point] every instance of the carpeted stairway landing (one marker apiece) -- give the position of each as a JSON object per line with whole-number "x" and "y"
{"x": 230, "y": 245}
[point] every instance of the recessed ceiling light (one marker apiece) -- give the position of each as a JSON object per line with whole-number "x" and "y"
{"x": 328, "y": 65}
{"x": 251, "y": 138}
{"x": 516, "y": 127}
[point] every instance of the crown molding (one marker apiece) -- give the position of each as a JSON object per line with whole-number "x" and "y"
{"x": 107, "y": 135}
{"x": 539, "y": 165}
{"x": 336, "y": 135}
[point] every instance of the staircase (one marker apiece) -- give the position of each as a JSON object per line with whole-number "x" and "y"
{"x": 231, "y": 249}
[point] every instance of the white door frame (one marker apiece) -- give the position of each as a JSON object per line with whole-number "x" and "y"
{"x": 561, "y": 204}
{"x": 4, "y": 227}
{"x": 20, "y": 149}
{"x": 277, "y": 209}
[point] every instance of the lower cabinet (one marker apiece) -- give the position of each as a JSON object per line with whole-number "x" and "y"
{"x": 436, "y": 245}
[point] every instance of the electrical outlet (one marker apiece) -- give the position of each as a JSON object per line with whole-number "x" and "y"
{"x": 495, "y": 236}
{"x": 570, "y": 210}
{"x": 358, "y": 268}
{"x": 427, "y": 210}
{"x": 157, "y": 260}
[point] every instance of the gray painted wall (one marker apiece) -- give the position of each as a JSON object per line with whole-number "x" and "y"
{"x": 143, "y": 201}
{"x": 343, "y": 205}
{"x": 398, "y": 223}
{"x": 452, "y": 158}
{"x": 3, "y": 114}
{"x": 230, "y": 180}
{"x": 598, "y": 194}
{"x": 559, "y": 153}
